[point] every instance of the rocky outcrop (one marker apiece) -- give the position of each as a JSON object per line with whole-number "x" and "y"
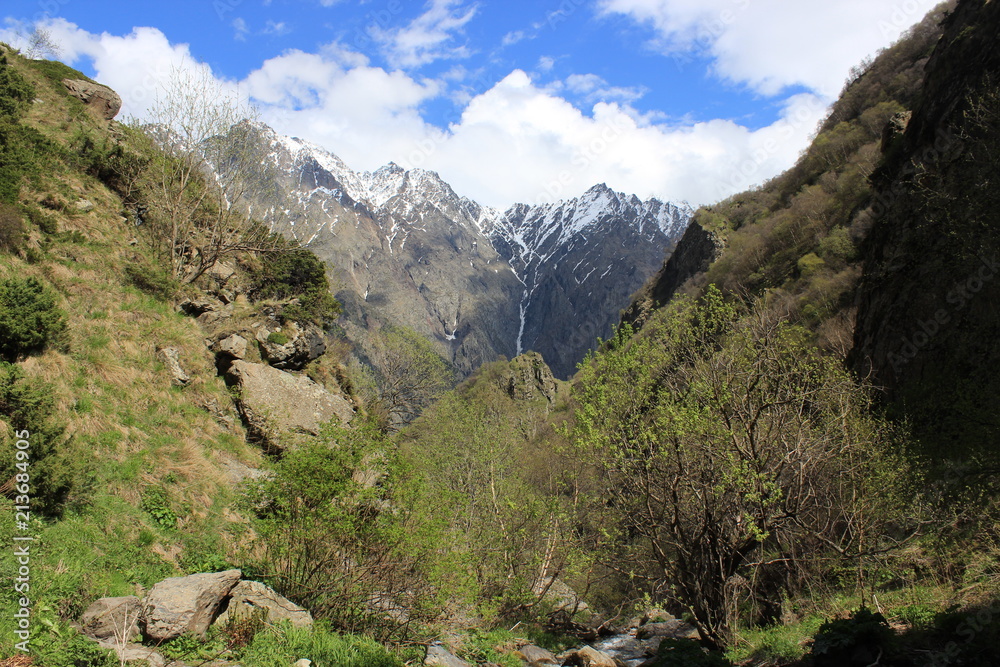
{"x": 697, "y": 249}
{"x": 113, "y": 618}
{"x": 527, "y": 378}
{"x": 292, "y": 346}
{"x": 186, "y": 604}
{"x": 232, "y": 347}
{"x": 275, "y": 405}
{"x": 927, "y": 321}
{"x": 101, "y": 99}
{"x": 250, "y": 598}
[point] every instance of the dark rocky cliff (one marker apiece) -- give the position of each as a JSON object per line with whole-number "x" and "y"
{"x": 929, "y": 300}
{"x": 695, "y": 252}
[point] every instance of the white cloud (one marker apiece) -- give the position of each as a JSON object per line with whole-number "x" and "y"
{"x": 595, "y": 89}
{"x": 278, "y": 29}
{"x": 772, "y": 44}
{"x": 428, "y": 37}
{"x": 516, "y": 141}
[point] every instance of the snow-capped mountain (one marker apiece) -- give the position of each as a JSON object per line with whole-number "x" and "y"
{"x": 405, "y": 248}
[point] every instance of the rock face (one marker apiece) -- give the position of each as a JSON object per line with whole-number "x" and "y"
{"x": 697, "y": 249}
{"x": 274, "y": 403}
{"x": 111, "y": 618}
{"x": 579, "y": 262}
{"x": 104, "y": 101}
{"x": 405, "y": 249}
{"x": 186, "y": 604}
{"x": 528, "y": 378}
{"x": 927, "y": 320}
{"x": 252, "y": 597}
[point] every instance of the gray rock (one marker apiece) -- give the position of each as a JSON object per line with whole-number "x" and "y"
{"x": 107, "y": 618}
{"x": 274, "y": 403}
{"x": 252, "y": 597}
{"x": 186, "y": 604}
{"x": 536, "y": 656}
{"x": 439, "y": 656}
{"x": 233, "y": 346}
{"x": 304, "y": 343}
{"x": 672, "y": 628}
{"x": 198, "y": 307}
{"x": 84, "y": 206}
{"x": 101, "y": 99}
{"x": 303, "y": 663}
{"x": 172, "y": 358}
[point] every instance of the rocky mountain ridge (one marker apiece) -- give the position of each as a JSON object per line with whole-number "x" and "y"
{"x": 405, "y": 248}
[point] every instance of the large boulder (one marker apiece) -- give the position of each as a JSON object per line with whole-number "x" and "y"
{"x": 104, "y": 101}
{"x": 250, "y": 598}
{"x": 274, "y": 403}
{"x": 292, "y": 346}
{"x": 186, "y": 604}
{"x": 439, "y": 656}
{"x": 111, "y": 618}
{"x": 536, "y": 656}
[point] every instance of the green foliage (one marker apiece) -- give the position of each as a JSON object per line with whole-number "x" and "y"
{"x": 858, "y": 640}
{"x": 496, "y": 486}
{"x": 283, "y": 646}
{"x": 809, "y": 264}
{"x": 687, "y": 653}
{"x": 336, "y": 532}
{"x": 29, "y": 317}
{"x": 156, "y": 503}
{"x": 191, "y": 648}
{"x": 297, "y": 273}
{"x": 56, "y": 475}
{"x": 720, "y": 406}
{"x": 61, "y": 646}
{"x": 277, "y": 338}
{"x": 488, "y": 647}
{"x": 16, "y": 94}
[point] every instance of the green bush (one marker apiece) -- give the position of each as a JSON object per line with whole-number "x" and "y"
{"x": 55, "y": 474}
{"x": 16, "y": 94}
{"x": 29, "y": 317}
{"x": 297, "y": 273}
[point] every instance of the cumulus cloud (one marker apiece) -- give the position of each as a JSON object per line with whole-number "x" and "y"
{"x": 514, "y": 141}
{"x": 773, "y": 44}
{"x": 427, "y": 38}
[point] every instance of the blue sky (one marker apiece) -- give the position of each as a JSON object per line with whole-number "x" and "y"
{"x": 509, "y": 100}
